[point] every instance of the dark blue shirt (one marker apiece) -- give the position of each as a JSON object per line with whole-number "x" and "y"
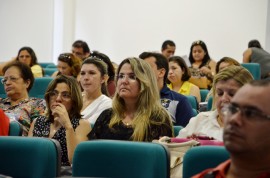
{"x": 177, "y": 105}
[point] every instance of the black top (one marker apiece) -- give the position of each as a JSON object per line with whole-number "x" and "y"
{"x": 42, "y": 129}
{"x": 120, "y": 131}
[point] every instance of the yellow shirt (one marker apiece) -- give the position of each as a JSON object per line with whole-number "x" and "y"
{"x": 37, "y": 71}
{"x": 185, "y": 88}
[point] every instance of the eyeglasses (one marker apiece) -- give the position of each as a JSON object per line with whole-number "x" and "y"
{"x": 11, "y": 78}
{"x": 130, "y": 77}
{"x": 64, "y": 95}
{"x": 250, "y": 113}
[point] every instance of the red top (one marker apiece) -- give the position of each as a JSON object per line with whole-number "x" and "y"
{"x": 220, "y": 171}
{"x": 4, "y": 124}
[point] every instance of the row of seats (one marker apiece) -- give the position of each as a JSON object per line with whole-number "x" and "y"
{"x": 34, "y": 157}
{"x": 38, "y": 89}
{"x": 47, "y": 65}
{"x": 101, "y": 158}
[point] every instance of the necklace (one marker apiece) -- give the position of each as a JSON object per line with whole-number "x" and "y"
{"x": 127, "y": 124}
{"x": 220, "y": 122}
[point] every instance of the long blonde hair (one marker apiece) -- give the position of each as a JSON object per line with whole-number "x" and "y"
{"x": 148, "y": 105}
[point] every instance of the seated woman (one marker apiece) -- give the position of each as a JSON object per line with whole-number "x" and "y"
{"x": 110, "y": 69}
{"x": 27, "y": 56}
{"x": 68, "y": 64}
{"x": 225, "y": 85}
{"x": 93, "y": 80}
{"x": 63, "y": 119}
{"x": 136, "y": 113}
{"x": 18, "y": 80}
{"x": 222, "y": 64}
{"x": 179, "y": 75}
{"x": 202, "y": 66}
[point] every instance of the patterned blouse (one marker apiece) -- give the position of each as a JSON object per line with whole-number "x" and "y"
{"x": 120, "y": 131}
{"x": 42, "y": 129}
{"x": 25, "y": 111}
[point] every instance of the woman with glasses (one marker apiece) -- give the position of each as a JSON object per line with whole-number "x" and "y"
{"x": 225, "y": 85}
{"x": 68, "y": 64}
{"x": 136, "y": 112}
{"x": 93, "y": 79}
{"x": 18, "y": 80}
{"x": 202, "y": 66}
{"x": 63, "y": 119}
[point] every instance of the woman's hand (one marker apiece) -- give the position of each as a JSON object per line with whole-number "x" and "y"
{"x": 61, "y": 115}
{"x": 205, "y": 70}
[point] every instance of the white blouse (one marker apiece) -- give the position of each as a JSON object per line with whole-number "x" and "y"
{"x": 93, "y": 110}
{"x": 205, "y": 123}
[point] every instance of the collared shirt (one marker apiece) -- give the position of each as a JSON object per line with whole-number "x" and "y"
{"x": 177, "y": 105}
{"x": 221, "y": 170}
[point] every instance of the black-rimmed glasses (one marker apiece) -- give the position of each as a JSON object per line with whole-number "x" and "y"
{"x": 250, "y": 113}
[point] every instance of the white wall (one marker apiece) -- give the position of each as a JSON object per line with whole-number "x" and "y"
{"x": 122, "y": 28}
{"x": 26, "y": 23}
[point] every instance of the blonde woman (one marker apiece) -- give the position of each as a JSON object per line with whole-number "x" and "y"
{"x": 225, "y": 85}
{"x": 136, "y": 112}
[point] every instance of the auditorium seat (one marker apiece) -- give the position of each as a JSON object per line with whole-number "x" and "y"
{"x": 29, "y": 157}
{"x": 121, "y": 159}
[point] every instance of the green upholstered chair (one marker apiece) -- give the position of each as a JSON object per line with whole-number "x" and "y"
{"x": 195, "y": 112}
{"x": 2, "y": 89}
{"x": 15, "y": 129}
{"x": 45, "y": 64}
{"x": 209, "y": 103}
{"x": 192, "y": 100}
{"x": 49, "y": 71}
{"x": 200, "y": 158}
{"x": 39, "y": 87}
{"x": 29, "y": 157}
{"x": 254, "y": 69}
{"x": 121, "y": 159}
{"x": 176, "y": 129}
{"x": 51, "y": 66}
{"x": 204, "y": 93}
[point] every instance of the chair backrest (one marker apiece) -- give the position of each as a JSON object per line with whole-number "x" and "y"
{"x": 49, "y": 71}
{"x": 39, "y": 87}
{"x": 192, "y": 100}
{"x": 2, "y": 89}
{"x": 254, "y": 69}
{"x": 45, "y": 64}
{"x": 30, "y": 157}
{"x": 176, "y": 129}
{"x": 51, "y": 66}
{"x": 209, "y": 103}
{"x": 204, "y": 93}
{"x": 15, "y": 129}
{"x": 200, "y": 158}
{"x": 121, "y": 159}
{"x": 194, "y": 112}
